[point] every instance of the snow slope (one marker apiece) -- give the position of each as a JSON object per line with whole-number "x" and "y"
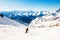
{"x": 52, "y": 33}
{"x": 6, "y": 21}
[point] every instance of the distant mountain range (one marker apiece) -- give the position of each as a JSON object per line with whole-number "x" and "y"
{"x": 27, "y": 16}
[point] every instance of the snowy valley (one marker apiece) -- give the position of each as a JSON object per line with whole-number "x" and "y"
{"x": 41, "y": 28}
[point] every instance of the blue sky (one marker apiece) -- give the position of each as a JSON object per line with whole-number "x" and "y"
{"x": 29, "y": 4}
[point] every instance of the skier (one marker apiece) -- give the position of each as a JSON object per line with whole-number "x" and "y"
{"x": 27, "y": 29}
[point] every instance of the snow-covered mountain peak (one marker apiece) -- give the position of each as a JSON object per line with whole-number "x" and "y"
{"x": 47, "y": 20}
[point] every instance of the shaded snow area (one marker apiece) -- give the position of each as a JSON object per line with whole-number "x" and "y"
{"x": 4, "y": 21}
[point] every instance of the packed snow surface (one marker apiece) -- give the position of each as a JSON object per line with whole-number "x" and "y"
{"x": 33, "y": 34}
